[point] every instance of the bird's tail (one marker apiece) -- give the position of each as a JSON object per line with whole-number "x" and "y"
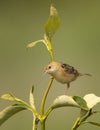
{"x": 80, "y": 74}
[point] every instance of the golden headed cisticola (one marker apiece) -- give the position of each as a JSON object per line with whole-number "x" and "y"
{"x": 62, "y": 72}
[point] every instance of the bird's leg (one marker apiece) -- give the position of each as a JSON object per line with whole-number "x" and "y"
{"x": 68, "y": 85}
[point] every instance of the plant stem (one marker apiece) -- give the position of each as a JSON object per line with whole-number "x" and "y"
{"x": 43, "y": 125}
{"x": 76, "y": 124}
{"x": 81, "y": 120}
{"x": 48, "y": 112}
{"x": 45, "y": 96}
{"x": 35, "y": 123}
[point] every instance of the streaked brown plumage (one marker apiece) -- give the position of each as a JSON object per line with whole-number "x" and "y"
{"x": 62, "y": 72}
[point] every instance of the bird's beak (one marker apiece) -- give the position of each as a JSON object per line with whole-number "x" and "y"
{"x": 44, "y": 72}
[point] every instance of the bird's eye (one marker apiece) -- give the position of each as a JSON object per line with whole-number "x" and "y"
{"x": 49, "y": 67}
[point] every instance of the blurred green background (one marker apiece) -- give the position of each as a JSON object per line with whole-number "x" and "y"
{"x": 77, "y": 42}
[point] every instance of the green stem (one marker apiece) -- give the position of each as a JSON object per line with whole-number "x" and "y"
{"x": 48, "y": 112}
{"x": 43, "y": 125}
{"x": 48, "y": 44}
{"x": 45, "y": 96}
{"x": 35, "y": 123}
{"x": 81, "y": 120}
{"x": 76, "y": 124}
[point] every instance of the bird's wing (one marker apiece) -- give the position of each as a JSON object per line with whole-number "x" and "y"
{"x": 69, "y": 69}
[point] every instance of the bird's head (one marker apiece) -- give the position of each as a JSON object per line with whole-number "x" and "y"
{"x": 51, "y": 68}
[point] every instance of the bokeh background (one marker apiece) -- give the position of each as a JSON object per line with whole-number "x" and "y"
{"x": 77, "y": 42}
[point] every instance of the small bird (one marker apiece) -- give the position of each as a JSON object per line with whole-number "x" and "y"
{"x": 62, "y": 72}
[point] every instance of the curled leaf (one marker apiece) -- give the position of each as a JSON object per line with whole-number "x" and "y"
{"x": 46, "y": 42}
{"x": 9, "y": 97}
{"x": 9, "y": 111}
{"x": 74, "y": 101}
{"x": 31, "y": 97}
{"x": 30, "y": 45}
{"x": 91, "y": 100}
{"x": 64, "y": 100}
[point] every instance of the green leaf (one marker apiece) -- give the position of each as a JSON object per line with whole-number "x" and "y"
{"x": 46, "y": 42}
{"x": 91, "y": 100}
{"x": 52, "y": 23}
{"x": 9, "y": 97}
{"x": 30, "y": 45}
{"x": 64, "y": 100}
{"x": 31, "y": 97}
{"x": 9, "y": 111}
{"x": 21, "y": 105}
{"x": 81, "y": 102}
